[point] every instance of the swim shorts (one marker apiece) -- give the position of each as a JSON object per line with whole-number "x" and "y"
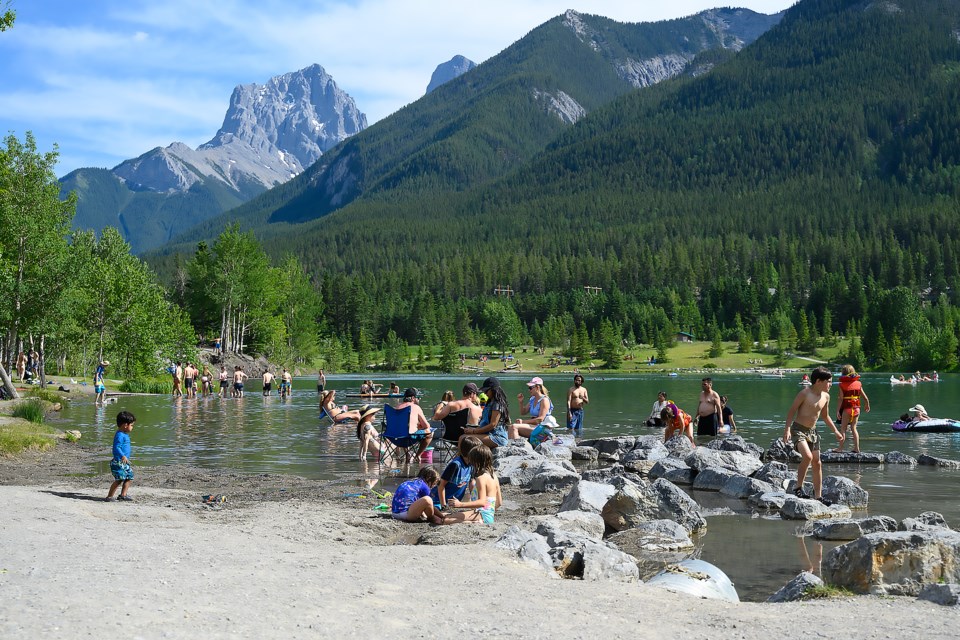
{"x": 575, "y": 419}
{"x": 238, "y": 386}
{"x": 707, "y": 425}
{"x": 487, "y": 514}
{"x": 267, "y": 387}
{"x": 189, "y": 383}
{"x": 121, "y": 470}
{"x": 799, "y": 433}
{"x": 99, "y": 388}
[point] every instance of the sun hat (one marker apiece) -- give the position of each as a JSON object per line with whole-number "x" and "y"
{"x": 367, "y": 409}
{"x": 918, "y": 408}
{"x": 535, "y": 381}
{"x": 411, "y": 392}
{"x": 490, "y": 383}
{"x": 470, "y": 388}
{"x": 105, "y": 363}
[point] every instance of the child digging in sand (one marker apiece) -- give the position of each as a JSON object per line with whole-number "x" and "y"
{"x": 412, "y": 501}
{"x": 120, "y": 465}
{"x": 801, "y": 429}
{"x": 456, "y": 476}
{"x": 489, "y": 498}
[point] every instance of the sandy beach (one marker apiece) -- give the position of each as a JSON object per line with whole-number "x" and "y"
{"x": 289, "y": 557}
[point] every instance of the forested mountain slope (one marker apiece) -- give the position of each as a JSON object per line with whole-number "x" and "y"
{"x": 810, "y": 179}
{"x": 497, "y": 116}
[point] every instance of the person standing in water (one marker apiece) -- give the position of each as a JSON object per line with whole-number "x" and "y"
{"x": 577, "y": 396}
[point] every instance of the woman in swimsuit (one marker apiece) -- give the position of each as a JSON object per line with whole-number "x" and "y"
{"x": 337, "y": 414}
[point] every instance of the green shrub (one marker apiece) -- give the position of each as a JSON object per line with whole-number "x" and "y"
{"x": 31, "y": 410}
{"x": 826, "y": 591}
{"x": 49, "y": 396}
{"x": 147, "y": 385}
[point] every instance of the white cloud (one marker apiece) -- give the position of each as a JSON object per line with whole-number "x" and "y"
{"x": 143, "y": 73}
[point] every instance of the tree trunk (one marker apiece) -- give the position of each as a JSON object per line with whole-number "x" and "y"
{"x": 42, "y": 362}
{"x": 7, "y": 384}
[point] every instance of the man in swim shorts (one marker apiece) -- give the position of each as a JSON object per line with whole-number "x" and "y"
{"x": 708, "y": 409}
{"x": 810, "y": 405}
{"x": 238, "y": 377}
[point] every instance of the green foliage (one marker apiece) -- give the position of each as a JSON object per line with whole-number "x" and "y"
{"x": 31, "y": 410}
{"x": 19, "y": 437}
{"x": 47, "y": 396}
{"x": 7, "y": 18}
{"x": 394, "y": 351}
{"x": 159, "y": 386}
{"x": 609, "y": 346}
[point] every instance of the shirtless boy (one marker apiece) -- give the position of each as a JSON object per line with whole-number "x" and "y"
{"x": 708, "y": 409}
{"x": 577, "y": 396}
{"x": 811, "y": 404}
{"x": 238, "y": 377}
{"x": 178, "y": 380}
{"x": 267, "y": 382}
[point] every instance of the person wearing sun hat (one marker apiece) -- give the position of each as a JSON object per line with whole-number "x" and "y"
{"x": 98, "y": 387}
{"x": 919, "y": 412}
{"x": 367, "y": 434}
{"x": 492, "y": 429}
{"x": 537, "y": 408}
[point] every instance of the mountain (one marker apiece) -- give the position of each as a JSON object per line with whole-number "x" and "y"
{"x": 270, "y": 133}
{"x": 492, "y": 120}
{"x": 453, "y": 68}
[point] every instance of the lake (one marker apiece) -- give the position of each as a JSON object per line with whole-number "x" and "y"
{"x": 269, "y": 435}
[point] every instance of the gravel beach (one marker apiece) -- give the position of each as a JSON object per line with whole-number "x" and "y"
{"x": 289, "y": 557}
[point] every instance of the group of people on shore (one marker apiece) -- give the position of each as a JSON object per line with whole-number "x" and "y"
{"x": 188, "y": 379}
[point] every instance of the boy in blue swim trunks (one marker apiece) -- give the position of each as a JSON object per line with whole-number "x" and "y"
{"x": 412, "y": 501}
{"x": 120, "y": 465}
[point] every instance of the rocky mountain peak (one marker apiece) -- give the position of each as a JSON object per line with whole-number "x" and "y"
{"x": 447, "y": 71}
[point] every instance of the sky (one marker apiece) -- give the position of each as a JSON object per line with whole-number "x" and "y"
{"x": 107, "y": 80}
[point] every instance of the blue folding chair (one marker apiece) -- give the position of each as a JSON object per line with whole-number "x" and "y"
{"x": 396, "y": 437}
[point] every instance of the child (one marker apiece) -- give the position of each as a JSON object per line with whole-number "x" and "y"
{"x": 98, "y": 386}
{"x": 676, "y": 420}
{"x": 366, "y": 433}
{"x": 489, "y": 498}
{"x": 851, "y": 391}
{"x": 412, "y": 501}
{"x": 120, "y": 465}
{"x": 801, "y": 429}
{"x": 457, "y": 475}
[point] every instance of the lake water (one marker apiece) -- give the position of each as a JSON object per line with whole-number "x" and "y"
{"x": 269, "y": 435}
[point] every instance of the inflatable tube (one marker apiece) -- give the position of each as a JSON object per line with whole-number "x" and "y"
{"x": 939, "y": 425}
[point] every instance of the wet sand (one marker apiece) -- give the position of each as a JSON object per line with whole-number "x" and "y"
{"x": 286, "y": 556}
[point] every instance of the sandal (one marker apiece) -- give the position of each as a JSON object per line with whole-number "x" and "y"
{"x": 125, "y": 498}
{"x": 825, "y": 502}
{"x": 800, "y": 494}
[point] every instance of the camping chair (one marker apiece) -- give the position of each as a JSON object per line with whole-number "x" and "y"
{"x": 395, "y": 436}
{"x": 446, "y": 446}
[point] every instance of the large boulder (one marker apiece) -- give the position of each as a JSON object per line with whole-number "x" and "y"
{"x": 736, "y": 443}
{"x": 896, "y": 457}
{"x": 845, "y": 529}
{"x": 663, "y": 468}
{"x": 781, "y": 452}
{"x": 653, "y": 537}
{"x": 938, "y": 462}
{"x": 588, "y": 496}
{"x": 517, "y": 447}
{"x": 776, "y": 473}
{"x": 635, "y": 504}
{"x": 530, "y": 547}
{"x": 849, "y": 457}
{"x": 697, "y": 578}
{"x": 602, "y": 474}
{"x": 842, "y": 490}
{"x": 743, "y": 487}
{"x": 679, "y": 446}
{"x": 926, "y": 521}
{"x": 743, "y": 463}
{"x": 898, "y": 563}
{"x": 617, "y": 446}
{"x": 796, "y": 588}
{"x": 518, "y": 470}
{"x": 584, "y": 453}
{"x": 553, "y": 477}
{"x": 552, "y": 450}
{"x": 770, "y": 501}
{"x": 943, "y": 594}
{"x": 800, "y": 509}
{"x": 602, "y": 563}
{"x": 568, "y": 524}
{"x": 713, "y": 479}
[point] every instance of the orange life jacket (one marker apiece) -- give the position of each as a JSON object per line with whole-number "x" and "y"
{"x": 850, "y": 387}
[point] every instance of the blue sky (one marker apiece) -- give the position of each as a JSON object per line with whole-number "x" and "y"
{"x": 108, "y": 80}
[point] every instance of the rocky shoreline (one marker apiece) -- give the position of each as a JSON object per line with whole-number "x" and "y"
{"x": 556, "y": 522}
